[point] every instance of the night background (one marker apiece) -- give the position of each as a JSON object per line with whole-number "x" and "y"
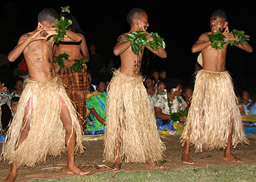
{"x": 179, "y": 23}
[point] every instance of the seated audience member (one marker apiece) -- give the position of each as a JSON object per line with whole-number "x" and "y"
{"x": 163, "y": 74}
{"x": 246, "y": 101}
{"x": 4, "y": 94}
{"x": 96, "y": 110}
{"x": 18, "y": 87}
{"x": 4, "y": 103}
{"x": 241, "y": 108}
{"x": 156, "y": 75}
{"x": 187, "y": 96}
{"x": 150, "y": 87}
{"x": 161, "y": 88}
{"x": 168, "y": 108}
{"x": 7, "y": 116}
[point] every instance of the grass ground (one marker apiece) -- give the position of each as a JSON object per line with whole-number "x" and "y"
{"x": 237, "y": 173}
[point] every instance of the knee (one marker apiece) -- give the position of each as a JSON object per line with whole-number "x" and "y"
{"x": 69, "y": 128}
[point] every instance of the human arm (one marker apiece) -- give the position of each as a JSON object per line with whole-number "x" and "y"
{"x": 202, "y": 42}
{"x": 98, "y": 117}
{"x": 84, "y": 48}
{"x": 160, "y": 115}
{"x": 72, "y": 37}
{"x": 230, "y": 37}
{"x": 121, "y": 45}
{"x": 41, "y": 33}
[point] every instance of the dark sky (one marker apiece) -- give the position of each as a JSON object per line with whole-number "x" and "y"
{"x": 180, "y": 23}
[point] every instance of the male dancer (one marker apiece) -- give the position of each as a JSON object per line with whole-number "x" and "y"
{"x": 45, "y": 119}
{"x": 214, "y": 120}
{"x": 131, "y": 132}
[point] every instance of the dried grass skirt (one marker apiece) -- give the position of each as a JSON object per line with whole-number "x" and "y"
{"x": 47, "y": 133}
{"x": 213, "y": 112}
{"x": 130, "y": 122}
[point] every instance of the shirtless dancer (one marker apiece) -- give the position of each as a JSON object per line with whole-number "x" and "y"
{"x": 214, "y": 120}
{"x": 45, "y": 120}
{"x": 131, "y": 132}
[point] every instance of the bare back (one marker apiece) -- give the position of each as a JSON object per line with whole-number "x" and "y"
{"x": 39, "y": 59}
{"x": 70, "y": 48}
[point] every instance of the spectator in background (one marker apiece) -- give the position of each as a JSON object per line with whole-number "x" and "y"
{"x": 97, "y": 113}
{"x": 4, "y": 94}
{"x": 168, "y": 106}
{"x": 187, "y": 95}
{"x": 163, "y": 74}
{"x": 96, "y": 61}
{"x": 150, "y": 86}
{"x": 246, "y": 101}
{"x": 155, "y": 74}
{"x": 18, "y": 87}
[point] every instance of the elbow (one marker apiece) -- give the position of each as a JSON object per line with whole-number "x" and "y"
{"x": 11, "y": 58}
{"x": 250, "y": 50}
{"x": 115, "y": 52}
{"x": 164, "y": 55}
{"x": 193, "y": 50}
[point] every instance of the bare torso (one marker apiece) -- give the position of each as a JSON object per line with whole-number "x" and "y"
{"x": 39, "y": 59}
{"x": 130, "y": 62}
{"x": 214, "y": 59}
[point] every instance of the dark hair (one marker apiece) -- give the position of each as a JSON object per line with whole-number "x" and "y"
{"x": 220, "y": 13}
{"x": 48, "y": 14}
{"x": 151, "y": 77}
{"x": 134, "y": 13}
{"x": 172, "y": 83}
{"x": 18, "y": 79}
{"x": 75, "y": 26}
{"x": 15, "y": 99}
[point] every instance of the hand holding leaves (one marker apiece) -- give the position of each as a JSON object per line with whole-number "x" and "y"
{"x": 139, "y": 38}
{"x": 218, "y": 39}
{"x": 60, "y": 60}
{"x": 78, "y": 65}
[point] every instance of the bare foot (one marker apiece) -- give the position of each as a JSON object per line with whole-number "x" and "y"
{"x": 231, "y": 157}
{"x": 155, "y": 164}
{"x": 116, "y": 166}
{"x": 186, "y": 159}
{"x": 10, "y": 178}
{"x": 76, "y": 170}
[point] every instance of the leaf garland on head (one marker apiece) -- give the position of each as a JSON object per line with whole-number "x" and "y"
{"x": 61, "y": 29}
{"x": 218, "y": 39}
{"x": 139, "y": 38}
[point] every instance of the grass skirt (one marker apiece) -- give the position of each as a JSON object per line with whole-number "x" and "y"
{"x": 130, "y": 121}
{"x": 47, "y": 133}
{"x": 213, "y": 112}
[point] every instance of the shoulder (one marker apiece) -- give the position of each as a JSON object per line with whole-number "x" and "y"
{"x": 122, "y": 37}
{"x": 204, "y": 36}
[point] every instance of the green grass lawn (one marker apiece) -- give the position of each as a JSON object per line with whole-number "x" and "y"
{"x": 240, "y": 172}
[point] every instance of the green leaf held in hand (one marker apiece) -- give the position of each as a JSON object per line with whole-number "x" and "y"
{"x": 60, "y": 59}
{"x": 78, "y": 65}
{"x": 139, "y": 38}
